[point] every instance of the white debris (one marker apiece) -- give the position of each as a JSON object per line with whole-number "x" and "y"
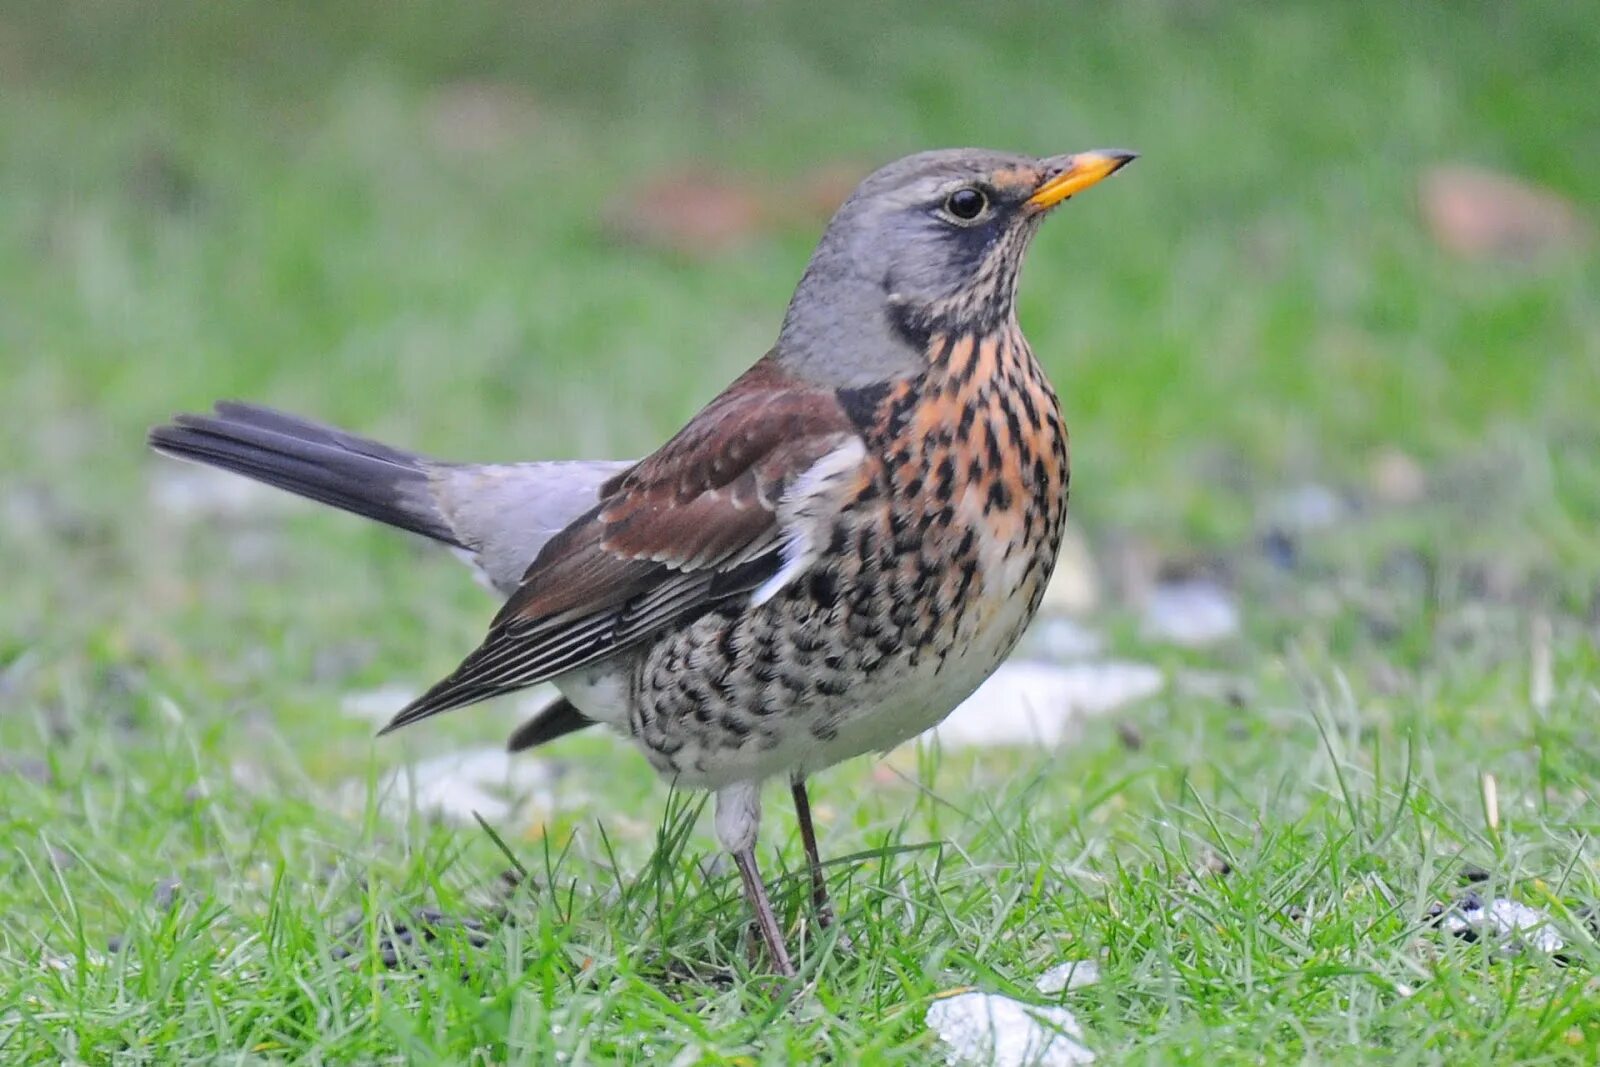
{"x": 1213, "y": 685}
{"x": 1191, "y": 613}
{"x": 1074, "y": 974}
{"x": 1064, "y": 639}
{"x": 377, "y": 705}
{"x": 459, "y": 785}
{"x": 1503, "y": 920}
{"x": 383, "y": 703}
{"x": 1304, "y": 509}
{"x": 188, "y": 492}
{"x": 1026, "y": 703}
{"x": 251, "y": 778}
{"x": 1075, "y": 586}
{"x": 986, "y": 1028}
{"x": 71, "y": 964}
{"x": 1541, "y": 670}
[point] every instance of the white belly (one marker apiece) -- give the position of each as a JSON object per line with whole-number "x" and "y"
{"x": 883, "y": 712}
{"x": 600, "y": 690}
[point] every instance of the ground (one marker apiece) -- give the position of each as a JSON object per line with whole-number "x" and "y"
{"x": 513, "y": 231}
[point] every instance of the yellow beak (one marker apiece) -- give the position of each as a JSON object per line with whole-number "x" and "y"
{"x": 1077, "y": 173}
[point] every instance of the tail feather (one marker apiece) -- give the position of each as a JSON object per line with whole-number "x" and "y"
{"x": 315, "y": 461}
{"x": 312, "y": 431}
{"x": 555, "y": 720}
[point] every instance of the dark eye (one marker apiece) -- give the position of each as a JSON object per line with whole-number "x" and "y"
{"x": 967, "y": 203}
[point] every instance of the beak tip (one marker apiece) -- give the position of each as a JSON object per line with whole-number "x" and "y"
{"x": 1120, "y": 157}
{"x": 1068, "y": 175}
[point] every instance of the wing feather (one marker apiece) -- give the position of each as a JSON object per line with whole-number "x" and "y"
{"x": 735, "y": 504}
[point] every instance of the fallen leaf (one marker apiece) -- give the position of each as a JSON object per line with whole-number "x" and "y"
{"x": 697, "y": 213}
{"x": 1482, "y": 214}
{"x": 820, "y": 191}
{"x": 703, "y": 211}
{"x": 1397, "y": 478}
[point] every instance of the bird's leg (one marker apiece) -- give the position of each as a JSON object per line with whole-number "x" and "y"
{"x": 738, "y": 818}
{"x": 765, "y": 920}
{"x": 808, "y": 838}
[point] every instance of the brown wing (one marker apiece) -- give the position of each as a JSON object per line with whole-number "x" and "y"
{"x": 712, "y": 514}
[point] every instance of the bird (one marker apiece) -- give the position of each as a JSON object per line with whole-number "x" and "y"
{"x": 823, "y": 562}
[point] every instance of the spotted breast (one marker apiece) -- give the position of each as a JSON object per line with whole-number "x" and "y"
{"x": 931, "y": 571}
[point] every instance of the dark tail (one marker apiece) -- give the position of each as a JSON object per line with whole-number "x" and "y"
{"x": 554, "y": 720}
{"x": 313, "y": 460}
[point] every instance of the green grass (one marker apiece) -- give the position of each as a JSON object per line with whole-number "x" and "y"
{"x": 263, "y": 201}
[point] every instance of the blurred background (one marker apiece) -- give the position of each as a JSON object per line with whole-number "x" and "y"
{"x": 1351, "y": 284}
{"x": 1330, "y": 353}
{"x": 1353, "y": 272}
{"x": 534, "y": 229}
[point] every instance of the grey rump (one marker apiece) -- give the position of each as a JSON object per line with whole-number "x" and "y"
{"x": 495, "y": 517}
{"x": 827, "y": 559}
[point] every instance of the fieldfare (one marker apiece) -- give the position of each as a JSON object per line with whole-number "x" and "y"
{"x": 824, "y": 562}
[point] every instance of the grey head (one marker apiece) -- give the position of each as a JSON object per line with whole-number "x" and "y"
{"x": 930, "y": 243}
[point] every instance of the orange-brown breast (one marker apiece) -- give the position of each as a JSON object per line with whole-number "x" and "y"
{"x": 972, "y": 458}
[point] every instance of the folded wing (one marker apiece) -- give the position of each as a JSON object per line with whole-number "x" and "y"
{"x": 735, "y": 505}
